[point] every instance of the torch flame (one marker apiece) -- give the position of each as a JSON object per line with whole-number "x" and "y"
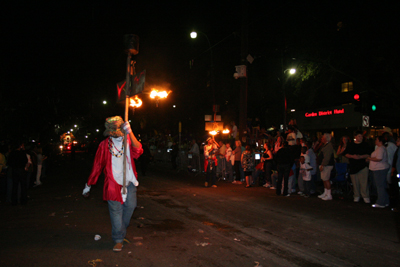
{"x": 226, "y": 131}
{"x": 160, "y": 94}
{"x": 213, "y": 132}
{"x": 137, "y": 102}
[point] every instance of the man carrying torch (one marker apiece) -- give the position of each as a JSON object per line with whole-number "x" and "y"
{"x": 110, "y": 158}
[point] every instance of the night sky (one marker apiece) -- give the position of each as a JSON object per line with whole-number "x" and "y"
{"x": 61, "y": 59}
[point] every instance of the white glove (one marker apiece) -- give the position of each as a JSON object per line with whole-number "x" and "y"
{"x": 86, "y": 190}
{"x": 126, "y": 127}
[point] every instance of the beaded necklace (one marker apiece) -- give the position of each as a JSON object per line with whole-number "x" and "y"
{"x": 110, "y": 148}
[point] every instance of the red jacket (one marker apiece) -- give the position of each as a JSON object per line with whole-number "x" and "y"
{"x": 206, "y": 162}
{"x": 102, "y": 160}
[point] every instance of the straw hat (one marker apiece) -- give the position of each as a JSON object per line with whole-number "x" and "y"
{"x": 387, "y": 130}
{"x": 113, "y": 127}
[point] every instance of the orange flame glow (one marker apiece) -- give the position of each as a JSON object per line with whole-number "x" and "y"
{"x": 158, "y": 94}
{"x": 137, "y": 102}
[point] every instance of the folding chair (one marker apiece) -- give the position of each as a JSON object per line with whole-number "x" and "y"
{"x": 341, "y": 184}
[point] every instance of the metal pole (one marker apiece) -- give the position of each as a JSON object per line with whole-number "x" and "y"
{"x": 284, "y": 95}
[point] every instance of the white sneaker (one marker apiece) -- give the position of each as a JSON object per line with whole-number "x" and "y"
{"x": 267, "y": 185}
{"x": 327, "y": 197}
{"x": 356, "y": 199}
{"x": 322, "y": 195}
{"x": 300, "y": 193}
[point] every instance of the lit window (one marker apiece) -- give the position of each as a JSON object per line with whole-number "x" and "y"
{"x": 347, "y": 87}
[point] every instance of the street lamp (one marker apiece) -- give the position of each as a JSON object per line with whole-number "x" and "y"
{"x": 283, "y": 81}
{"x": 193, "y": 35}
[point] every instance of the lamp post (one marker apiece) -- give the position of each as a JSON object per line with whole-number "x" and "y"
{"x": 193, "y": 35}
{"x": 283, "y": 81}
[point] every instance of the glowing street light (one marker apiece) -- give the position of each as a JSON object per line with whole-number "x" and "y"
{"x": 193, "y": 35}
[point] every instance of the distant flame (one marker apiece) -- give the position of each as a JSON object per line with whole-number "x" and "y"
{"x": 213, "y": 132}
{"x": 137, "y": 102}
{"x": 160, "y": 94}
{"x": 226, "y": 131}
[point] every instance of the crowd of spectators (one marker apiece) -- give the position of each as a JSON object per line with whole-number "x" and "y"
{"x": 22, "y": 166}
{"x": 286, "y": 162}
{"x": 291, "y": 163}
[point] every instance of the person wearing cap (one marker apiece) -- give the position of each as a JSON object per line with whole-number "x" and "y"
{"x": 110, "y": 159}
{"x": 210, "y": 162}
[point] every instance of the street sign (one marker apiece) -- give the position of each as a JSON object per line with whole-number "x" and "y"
{"x": 210, "y": 117}
{"x": 365, "y": 121}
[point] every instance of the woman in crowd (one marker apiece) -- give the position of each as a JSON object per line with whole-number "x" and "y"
{"x": 278, "y": 144}
{"x": 342, "y": 147}
{"x": 268, "y": 159}
{"x": 238, "y": 155}
{"x": 379, "y": 166}
{"x": 248, "y": 164}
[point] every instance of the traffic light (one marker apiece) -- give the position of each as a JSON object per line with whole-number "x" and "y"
{"x": 357, "y": 103}
{"x": 373, "y": 107}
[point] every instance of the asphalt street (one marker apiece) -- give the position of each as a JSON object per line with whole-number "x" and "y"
{"x": 179, "y": 222}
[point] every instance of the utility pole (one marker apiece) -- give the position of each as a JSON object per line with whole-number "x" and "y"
{"x": 243, "y": 81}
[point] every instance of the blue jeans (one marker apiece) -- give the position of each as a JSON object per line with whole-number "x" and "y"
{"x": 381, "y": 184}
{"x": 121, "y": 214}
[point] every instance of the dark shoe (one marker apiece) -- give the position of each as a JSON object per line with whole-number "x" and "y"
{"x": 118, "y": 247}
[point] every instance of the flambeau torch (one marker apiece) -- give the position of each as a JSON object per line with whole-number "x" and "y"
{"x": 135, "y": 102}
{"x": 157, "y": 95}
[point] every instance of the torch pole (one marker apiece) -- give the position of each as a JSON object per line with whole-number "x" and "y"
{"x": 127, "y": 89}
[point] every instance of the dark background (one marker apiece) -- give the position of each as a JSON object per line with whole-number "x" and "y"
{"x": 61, "y": 59}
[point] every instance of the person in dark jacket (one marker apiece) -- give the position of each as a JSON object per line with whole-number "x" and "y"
{"x": 284, "y": 159}
{"x": 18, "y": 161}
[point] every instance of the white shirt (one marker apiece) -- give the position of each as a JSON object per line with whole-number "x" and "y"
{"x": 118, "y": 163}
{"x": 228, "y": 154}
{"x": 234, "y": 132}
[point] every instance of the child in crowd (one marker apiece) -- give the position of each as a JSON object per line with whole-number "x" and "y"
{"x": 300, "y": 181}
{"x": 305, "y": 175}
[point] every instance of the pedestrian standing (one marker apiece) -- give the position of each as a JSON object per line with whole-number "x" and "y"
{"x": 18, "y": 161}
{"x": 238, "y": 155}
{"x": 327, "y": 155}
{"x": 378, "y": 164}
{"x": 210, "y": 162}
{"x": 247, "y": 161}
{"x": 357, "y": 152}
{"x": 110, "y": 158}
{"x": 305, "y": 175}
{"x": 284, "y": 160}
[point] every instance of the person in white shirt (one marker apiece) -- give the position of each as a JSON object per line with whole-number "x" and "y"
{"x": 229, "y": 158}
{"x": 234, "y": 130}
{"x": 305, "y": 174}
{"x": 194, "y": 153}
{"x": 378, "y": 164}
